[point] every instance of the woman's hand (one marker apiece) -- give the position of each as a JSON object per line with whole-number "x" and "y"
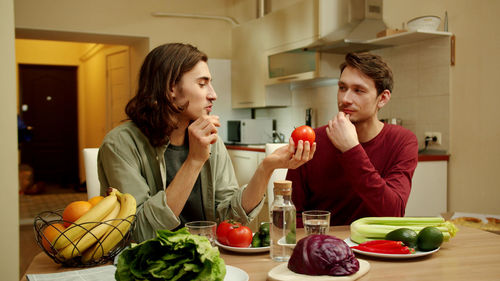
{"x": 289, "y": 157}
{"x": 202, "y": 133}
{"x": 109, "y": 190}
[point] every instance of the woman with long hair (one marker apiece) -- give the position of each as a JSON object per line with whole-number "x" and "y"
{"x": 169, "y": 156}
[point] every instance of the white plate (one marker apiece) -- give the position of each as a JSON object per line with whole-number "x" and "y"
{"x": 235, "y": 274}
{"x": 282, "y": 273}
{"x": 242, "y": 250}
{"x": 391, "y": 256}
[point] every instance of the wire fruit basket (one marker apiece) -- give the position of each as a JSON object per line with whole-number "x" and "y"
{"x": 51, "y": 218}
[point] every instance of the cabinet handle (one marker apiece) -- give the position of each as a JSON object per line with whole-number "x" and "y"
{"x": 288, "y": 78}
{"x": 452, "y": 53}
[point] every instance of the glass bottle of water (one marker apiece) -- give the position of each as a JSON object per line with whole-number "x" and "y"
{"x": 282, "y": 221}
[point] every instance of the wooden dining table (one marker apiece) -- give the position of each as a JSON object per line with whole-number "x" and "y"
{"x": 471, "y": 255}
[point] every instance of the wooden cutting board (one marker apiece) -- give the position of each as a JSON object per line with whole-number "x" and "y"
{"x": 282, "y": 273}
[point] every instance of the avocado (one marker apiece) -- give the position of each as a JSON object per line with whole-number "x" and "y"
{"x": 405, "y": 235}
{"x": 429, "y": 238}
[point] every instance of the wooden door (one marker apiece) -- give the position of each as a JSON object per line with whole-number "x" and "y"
{"x": 48, "y": 98}
{"x": 118, "y": 84}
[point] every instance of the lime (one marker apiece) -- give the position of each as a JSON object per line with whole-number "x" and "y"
{"x": 290, "y": 238}
{"x": 429, "y": 238}
{"x": 264, "y": 228}
{"x": 405, "y": 235}
{"x": 266, "y": 241}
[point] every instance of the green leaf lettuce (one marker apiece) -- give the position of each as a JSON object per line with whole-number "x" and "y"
{"x": 173, "y": 256}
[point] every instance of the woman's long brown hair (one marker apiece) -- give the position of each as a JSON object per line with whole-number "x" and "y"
{"x": 152, "y": 109}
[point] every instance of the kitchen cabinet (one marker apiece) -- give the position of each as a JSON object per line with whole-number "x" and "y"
{"x": 249, "y": 72}
{"x": 428, "y": 196}
{"x": 245, "y": 163}
{"x": 292, "y": 27}
{"x": 250, "y": 44}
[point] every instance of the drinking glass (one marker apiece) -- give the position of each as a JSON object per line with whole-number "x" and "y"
{"x": 316, "y": 221}
{"x": 203, "y": 228}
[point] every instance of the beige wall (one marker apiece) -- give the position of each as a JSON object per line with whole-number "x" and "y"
{"x": 49, "y": 52}
{"x": 133, "y": 18}
{"x": 9, "y": 216}
{"x": 474, "y": 98}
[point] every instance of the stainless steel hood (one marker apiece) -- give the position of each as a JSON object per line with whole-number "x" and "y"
{"x": 349, "y": 33}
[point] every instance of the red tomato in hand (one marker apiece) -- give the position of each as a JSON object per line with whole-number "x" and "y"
{"x": 223, "y": 230}
{"x": 240, "y": 237}
{"x": 304, "y": 133}
{"x": 234, "y": 234}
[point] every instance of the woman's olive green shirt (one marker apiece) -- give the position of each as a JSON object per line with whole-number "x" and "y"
{"x": 128, "y": 162}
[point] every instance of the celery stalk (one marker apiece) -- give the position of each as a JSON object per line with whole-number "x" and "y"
{"x": 372, "y": 228}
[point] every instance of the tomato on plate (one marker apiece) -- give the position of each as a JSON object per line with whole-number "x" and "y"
{"x": 234, "y": 234}
{"x": 304, "y": 133}
{"x": 224, "y": 228}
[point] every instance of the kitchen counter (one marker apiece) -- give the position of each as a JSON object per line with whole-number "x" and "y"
{"x": 256, "y": 148}
{"x": 471, "y": 255}
{"x": 261, "y": 148}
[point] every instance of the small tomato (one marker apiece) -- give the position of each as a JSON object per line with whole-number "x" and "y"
{"x": 304, "y": 133}
{"x": 223, "y": 230}
{"x": 240, "y": 237}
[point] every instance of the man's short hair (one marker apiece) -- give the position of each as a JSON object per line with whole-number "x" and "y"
{"x": 372, "y": 66}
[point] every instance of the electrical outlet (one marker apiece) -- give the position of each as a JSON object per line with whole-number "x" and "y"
{"x": 437, "y": 135}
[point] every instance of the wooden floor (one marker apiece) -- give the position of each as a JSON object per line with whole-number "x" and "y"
{"x": 29, "y": 207}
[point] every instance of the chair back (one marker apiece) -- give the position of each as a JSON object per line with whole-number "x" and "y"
{"x": 90, "y": 160}
{"x": 278, "y": 174}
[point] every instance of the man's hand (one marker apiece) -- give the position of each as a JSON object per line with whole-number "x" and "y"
{"x": 202, "y": 133}
{"x": 342, "y": 132}
{"x": 288, "y": 157}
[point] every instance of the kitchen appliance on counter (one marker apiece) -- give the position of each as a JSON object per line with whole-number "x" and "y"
{"x": 250, "y": 131}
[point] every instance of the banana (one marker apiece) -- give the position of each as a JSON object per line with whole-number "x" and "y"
{"x": 111, "y": 239}
{"x": 86, "y": 222}
{"x": 77, "y": 247}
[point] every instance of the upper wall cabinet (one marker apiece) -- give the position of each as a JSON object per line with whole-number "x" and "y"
{"x": 251, "y": 44}
{"x": 293, "y": 27}
{"x": 249, "y": 72}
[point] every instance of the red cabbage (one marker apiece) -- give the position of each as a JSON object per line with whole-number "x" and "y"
{"x": 323, "y": 255}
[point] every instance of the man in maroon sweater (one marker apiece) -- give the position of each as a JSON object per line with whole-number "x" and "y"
{"x": 363, "y": 167}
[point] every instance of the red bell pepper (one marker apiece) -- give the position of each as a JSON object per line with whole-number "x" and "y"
{"x": 383, "y": 244}
{"x": 390, "y": 249}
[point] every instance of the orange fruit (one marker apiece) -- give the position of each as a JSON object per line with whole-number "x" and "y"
{"x": 74, "y": 211}
{"x": 50, "y": 233}
{"x": 94, "y": 200}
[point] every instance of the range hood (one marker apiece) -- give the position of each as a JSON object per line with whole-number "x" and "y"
{"x": 347, "y": 25}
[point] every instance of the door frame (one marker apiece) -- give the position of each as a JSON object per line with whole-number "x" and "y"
{"x": 139, "y": 47}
